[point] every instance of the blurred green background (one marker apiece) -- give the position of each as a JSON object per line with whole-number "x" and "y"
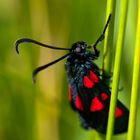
{"x": 42, "y": 111}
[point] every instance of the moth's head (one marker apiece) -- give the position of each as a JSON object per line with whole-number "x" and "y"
{"x": 79, "y": 47}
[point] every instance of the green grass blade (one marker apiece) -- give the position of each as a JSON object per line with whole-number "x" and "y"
{"x": 108, "y": 43}
{"x": 116, "y": 73}
{"x": 135, "y": 82}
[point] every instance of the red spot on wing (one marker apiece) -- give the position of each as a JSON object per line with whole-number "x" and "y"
{"x": 93, "y": 76}
{"x": 96, "y": 105}
{"x": 104, "y": 96}
{"x": 78, "y": 103}
{"x": 87, "y": 82}
{"x": 118, "y": 112}
{"x": 70, "y": 92}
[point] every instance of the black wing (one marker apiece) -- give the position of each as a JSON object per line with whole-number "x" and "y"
{"x": 91, "y": 98}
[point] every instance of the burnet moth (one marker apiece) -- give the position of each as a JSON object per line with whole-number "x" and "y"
{"x": 88, "y": 94}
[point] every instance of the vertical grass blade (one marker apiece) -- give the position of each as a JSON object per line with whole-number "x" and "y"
{"x": 108, "y": 43}
{"x": 135, "y": 82}
{"x": 116, "y": 73}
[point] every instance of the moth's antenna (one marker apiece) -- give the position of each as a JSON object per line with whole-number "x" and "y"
{"x": 28, "y": 40}
{"x": 37, "y": 70}
{"x": 103, "y": 33}
{"x": 107, "y": 24}
{"x": 101, "y": 37}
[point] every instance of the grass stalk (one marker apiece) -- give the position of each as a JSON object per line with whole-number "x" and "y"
{"x": 108, "y": 43}
{"x": 135, "y": 82}
{"x": 116, "y": 73}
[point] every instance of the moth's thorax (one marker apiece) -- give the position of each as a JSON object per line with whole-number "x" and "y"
{"x": 79, "y": 53}
{"x": 79, "y": 57}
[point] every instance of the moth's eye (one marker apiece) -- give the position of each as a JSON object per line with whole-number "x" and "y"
{"x": 78, "y": 49}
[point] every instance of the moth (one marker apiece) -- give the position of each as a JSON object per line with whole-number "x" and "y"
{"x": 89, "y": 96}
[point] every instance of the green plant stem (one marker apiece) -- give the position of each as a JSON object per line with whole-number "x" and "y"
{"x": 116, "y": 73}
{"x": 108, "y": 43}
{"x": 135, "y": 82}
